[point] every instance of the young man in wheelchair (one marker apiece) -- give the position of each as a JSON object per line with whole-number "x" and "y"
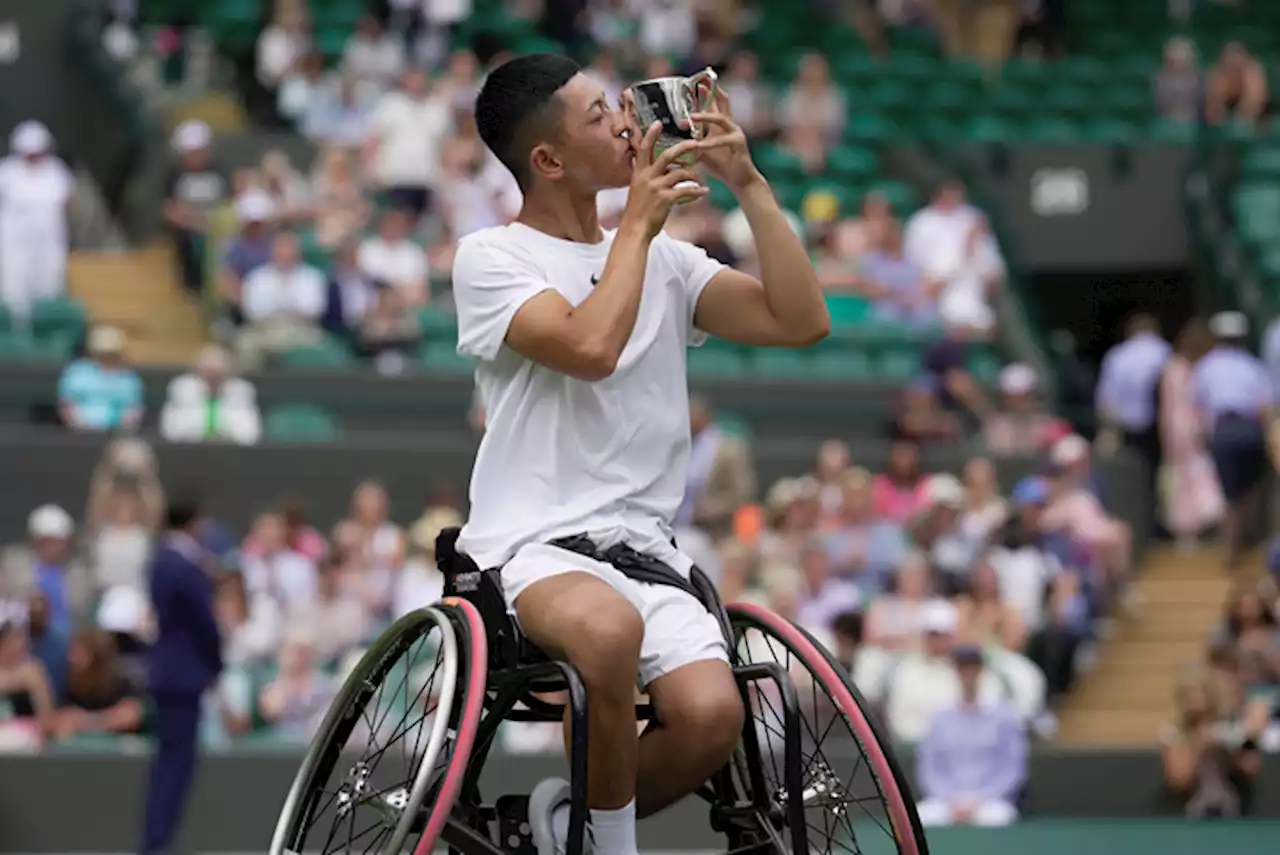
{"x": 579, "y": 337}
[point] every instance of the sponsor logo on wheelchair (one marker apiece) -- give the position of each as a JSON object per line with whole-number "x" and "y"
{"x": 466, "y": 583}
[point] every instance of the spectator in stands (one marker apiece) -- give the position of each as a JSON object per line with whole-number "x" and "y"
{"x": 296, "y": 700}
{"x": 894, "y": 618}
{"x": 952, "y": 550}
{"x": 1046, "y": 596}
{"x": 286, "y": 187}
{"x": 341, "y": 116}
{"x": 440, "y": 21}
{"x": 986, "y": 618}
{"x": 972, "y": 762}
{"x": 822, "y": 597}
{"x": 791, "y": 513}
{"x": 868, "y": 230}
{"x": 389, "y": 332}
{"x": 1210, "y": 754}
{"x": 920, "y": 417}
{"x": 301, "y": 536}
{"x": 195, "y": 189}
{"x": 352, "y": 294}
{"x": 303, "y": 85}
{"x": 804, "y": 141}
{"x": 947, "y": 241}
{"x": 210, "y": 404}
{"x": 251, "y": 247}
{"x": 35, "y": 191}
{"x": 372, "y": 55}
{"x": 813, "y": 99}
{"x": 25, "y": 689}
{"x": 421, "y": 581}
{"x": 277, "y": 569}
{"x": 46, "y": 566}
{"x": 1075, "y": 509}
{"x": 251, "y": 624}
{"x": 340, "y": 204}
{"x": 1020, "y": 425}
{"x": 1236, "y": 89}
{"x": 985, "y": 511}
{"x": 99, "y": 697}
{"x": 459, "y": 85}
{"x": 925, "y": 681}
{"x": 408, "y": 128}
{"x": 335, "y": 622}
{"x": 282, "y": 43}
{"x": 1251, "y": 623}
{"x": 1177, "y": 87}
{"x": 721, "y": 476}
{"x": 396, "y": 260}
{"x": 126, "y": 509}
{"x": 860, "y": 545}
{"x": 125, "y": 613}
{"x": 753, "y": 107}
{"x": 895, "y": 285}
{"x": 899, "y": 490}
{"x": 1191, "y": 497}
{"x": 101, "y": 393}
{"x": 964, "y": 302}
{"x": 465, "y": 196}
{"x": 47, "y": 643}
{"x": 668, "y": 28}
{"x": 829, "y": 468}
{"x": 284, "y": 302}
{"x": 379, "y": 543}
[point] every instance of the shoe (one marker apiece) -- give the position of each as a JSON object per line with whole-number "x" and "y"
{"x": 543, "y": 802}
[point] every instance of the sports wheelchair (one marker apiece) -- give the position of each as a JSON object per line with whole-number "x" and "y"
{"x": 813, "y": 772}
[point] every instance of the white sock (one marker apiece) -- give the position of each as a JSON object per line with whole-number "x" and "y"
{"x": 613, "y": 832}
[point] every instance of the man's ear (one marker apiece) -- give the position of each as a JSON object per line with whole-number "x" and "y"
{"x": 545, "y": 160}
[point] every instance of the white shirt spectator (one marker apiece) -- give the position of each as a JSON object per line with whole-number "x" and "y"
{"x": 409, "y": 132}
{"x": 964, "y": 299}
{"x": 34, "y": 190}
{"x": 1023, "y": 575}
{"x": 401, "y": 264}
{"x": 193, "y": 411}
{"x": 259, "y": 636}
{"x": 922, "y": 686}
{"x": 419, "y": 584}
{"x": 278, "y": 50}
{"x": 936, "y": 239}
{"x": 667, "y": 27}
{"x": 272, "y": 294}
{"x": 337, "y": 625}
{"x": 286, "y": 576}
{"x": 377, "y": 58}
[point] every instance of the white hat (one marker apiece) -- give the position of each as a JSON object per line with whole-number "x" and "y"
{"x": 255, "y": 206}
{"x": 944, "y": 491}
{"x": 50, "y": 521}
{"x": 939, "y": 616}
{"x": 191, "y": 135}
{"x": 105, "y": 340}
{"x": 1069, "y": 450}
{"x": 123, "y": 609}
{"x": 1018, "y": 379}
{"x": 737, "y": 234}
{"x": 1229, "y": 325}
{"x": 30, "y": 137}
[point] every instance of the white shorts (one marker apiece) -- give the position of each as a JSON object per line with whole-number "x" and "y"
{"x": 678, "y": 629}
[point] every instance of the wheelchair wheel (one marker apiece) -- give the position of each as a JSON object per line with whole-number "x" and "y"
{"x": 390, "y": 756}
{"x": 855, "y": 797}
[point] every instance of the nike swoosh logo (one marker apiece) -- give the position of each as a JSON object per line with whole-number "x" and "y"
{"x": 595, "y": 280}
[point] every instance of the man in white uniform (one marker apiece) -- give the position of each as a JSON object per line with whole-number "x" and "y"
{"x": 579, "y": 337}
{"x": 35, "y": 188}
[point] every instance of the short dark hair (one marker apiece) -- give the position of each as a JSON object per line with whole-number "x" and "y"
{"x": 517, "y": 105}
{"x": 181, "y": 513}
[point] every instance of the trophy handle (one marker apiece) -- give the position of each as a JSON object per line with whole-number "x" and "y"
{"x": 704, "y": 102}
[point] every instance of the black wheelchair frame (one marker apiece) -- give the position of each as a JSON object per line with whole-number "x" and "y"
{"x": 741, "y": 807}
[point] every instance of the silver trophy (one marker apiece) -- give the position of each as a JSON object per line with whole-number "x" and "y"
{"x": 672, "y": 101}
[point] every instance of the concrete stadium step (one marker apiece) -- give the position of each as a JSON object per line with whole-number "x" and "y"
{"x": 1128, "y": 695}
{"x": 138, "y": 292}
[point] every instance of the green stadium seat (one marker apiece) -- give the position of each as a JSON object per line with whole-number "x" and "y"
{"x": 1013, "y": 102}
{"x": 328, "y": 353}
{"x": 1109, "y": 130}
{"x": 984, "y": 366}
{"x": 1269, "y": 263}
{"x": 892, "y": 96}
{"x": 711, "y": 362}
{"x": 18, "y": 348}
{"x": 1261, "y": 162}
{"x": 1256, "y": 208}
{"x": 442, "y": 357}
{"x": 847, "y": 311}
{"x": 851, "y": 164}
{"x": 312, "y": 252}
{"x": 950, "y": 99}
{"x": 848, "y": 364}
{"x": 779, "y": 164}
{"x": 781, "y": 363}
{"x": 301, "y": 423}
{"x": 58, "y": 318}
{"x": 991, "y": 129}
{"x": 1171, "y": 131}
{"x": 1068, "y": 100}
{"x": 1052, "y": 129}
{"x": 438, "y": 323}
{"x": 721, "y": 196}
{"x": 897, "y": 364}
{"x": 872, "y": 128}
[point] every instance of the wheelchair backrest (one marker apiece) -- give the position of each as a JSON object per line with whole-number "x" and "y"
{"x": 463, "y": 578}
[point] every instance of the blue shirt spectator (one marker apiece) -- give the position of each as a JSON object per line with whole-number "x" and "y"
{"x": 101, "y": 393}
{"x": 1126, "y": 393}
{"x": 899, "y": 288}
{"x": 1231, "y": 381}
{"x": 251, "y": 248}
{"x": 972, "y": 763}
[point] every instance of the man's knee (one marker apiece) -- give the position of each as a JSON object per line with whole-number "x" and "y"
{"x": 707, "y": 711}
{"x": 589, "y": 623}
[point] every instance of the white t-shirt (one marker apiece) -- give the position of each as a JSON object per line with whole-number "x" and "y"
{"x": 559, "y": 455}
{"x": 409, "y": 132}
{"x": 272, "y": 294}
{"x": 396, "y": 264}
{"x": 1023, "y": 575}
{"x": 33, "y": 197}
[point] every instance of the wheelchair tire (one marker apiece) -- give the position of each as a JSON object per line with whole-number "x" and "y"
{"x": 436, "y": 769}
{"x": 893, "y": 789}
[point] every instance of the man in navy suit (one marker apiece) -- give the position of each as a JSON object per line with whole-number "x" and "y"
{"x": 184, "y": 661}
